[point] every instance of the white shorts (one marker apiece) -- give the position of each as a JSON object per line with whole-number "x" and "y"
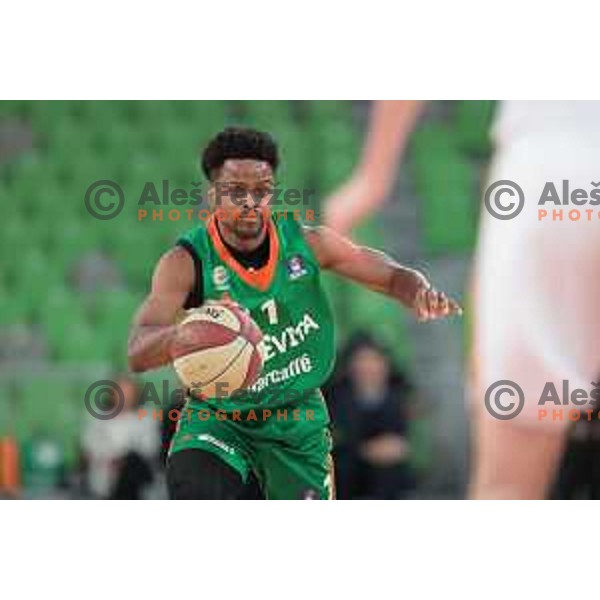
{"x": 537, "y": 288}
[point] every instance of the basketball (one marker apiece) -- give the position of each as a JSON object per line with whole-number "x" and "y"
{"x": 217, "y": 350}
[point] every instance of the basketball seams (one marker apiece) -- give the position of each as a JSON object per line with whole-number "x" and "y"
{"x": 226, "y": 368}
{"x": 248, "y": 330}
{"x": 204, "y": 331}
{"x": 202, "y": 335}
{"x": 241, "y": 319}
{"x": 211, "y": 358}
{"x": 202, "y": 315}
{"x": 254, "y": 365}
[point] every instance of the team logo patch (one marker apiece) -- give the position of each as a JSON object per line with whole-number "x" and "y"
{"x": 220, "y": 277}
{"x": 296, "y": 267}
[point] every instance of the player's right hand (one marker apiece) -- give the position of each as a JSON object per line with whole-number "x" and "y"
{"x": 227, "y": 300}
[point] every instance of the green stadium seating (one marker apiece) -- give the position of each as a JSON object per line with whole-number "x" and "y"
{"x": 446, "y": 184}
{"x": 47, "y": 228}
{"x": 18, "y": 305}
{"x": 81, "y": 142}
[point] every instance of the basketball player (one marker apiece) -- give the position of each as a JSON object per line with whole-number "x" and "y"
{"x": 271, "y": 267}
{"x": 535, "y": 279}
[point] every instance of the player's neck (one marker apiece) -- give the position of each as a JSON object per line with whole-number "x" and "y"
{"x": 243, "y": 245}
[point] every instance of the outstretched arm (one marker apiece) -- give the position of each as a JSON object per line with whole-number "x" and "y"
{"x": 380, "y": 273}
{"x": 390, "y": 125}
{"x": 154, "y": 328}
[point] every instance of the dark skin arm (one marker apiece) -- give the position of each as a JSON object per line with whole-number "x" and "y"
{"x": 378, "y": 272}
{"x": 154, "y": 328}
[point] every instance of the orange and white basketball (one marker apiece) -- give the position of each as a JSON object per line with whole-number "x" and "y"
{"x": 217, "y": 350}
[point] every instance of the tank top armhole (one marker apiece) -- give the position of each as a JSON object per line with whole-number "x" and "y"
{"x": 295, "y": 228}
{"x": 196, "y": 296}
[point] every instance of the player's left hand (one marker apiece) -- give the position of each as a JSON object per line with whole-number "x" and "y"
{"x": 429, "y": 304}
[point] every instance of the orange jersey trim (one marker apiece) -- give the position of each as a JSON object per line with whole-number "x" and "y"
{"x": 259, "y": 278}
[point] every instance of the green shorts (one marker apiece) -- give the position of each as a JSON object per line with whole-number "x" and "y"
{"x": 288, "y": 451}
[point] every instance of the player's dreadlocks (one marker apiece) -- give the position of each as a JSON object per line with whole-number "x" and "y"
{"x": 239, "y": 142}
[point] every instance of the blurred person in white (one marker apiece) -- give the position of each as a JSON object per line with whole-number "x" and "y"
{"x": 368, "y": 402}
{"x": 535, "y": 280}
{"x": 120, "y": 455}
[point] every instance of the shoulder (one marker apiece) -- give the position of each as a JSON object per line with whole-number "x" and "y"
{"x": 193, "y": 237}
{"x": 193, "y": 243}
{"x": 175, "y": 269}
{"x": 175, "y": 258}
{"x": 328, "y": 246}
{"x": 314, "y": 237}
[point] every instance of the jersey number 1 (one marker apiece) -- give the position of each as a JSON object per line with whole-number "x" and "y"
{"x": 270, "y": 309}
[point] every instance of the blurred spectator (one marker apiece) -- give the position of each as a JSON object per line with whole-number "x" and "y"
{"x": 120, "y": 455}
{"x": 43, "y": 464}
{"x": 368, "y": 402}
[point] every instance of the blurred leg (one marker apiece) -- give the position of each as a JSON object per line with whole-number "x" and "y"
{"x": 535, "y": 319}
{"x": 194, "y": 474}
{"x": 512, "y": 461}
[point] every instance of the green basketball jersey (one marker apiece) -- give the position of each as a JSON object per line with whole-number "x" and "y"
{"x": 287, "y": 302}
